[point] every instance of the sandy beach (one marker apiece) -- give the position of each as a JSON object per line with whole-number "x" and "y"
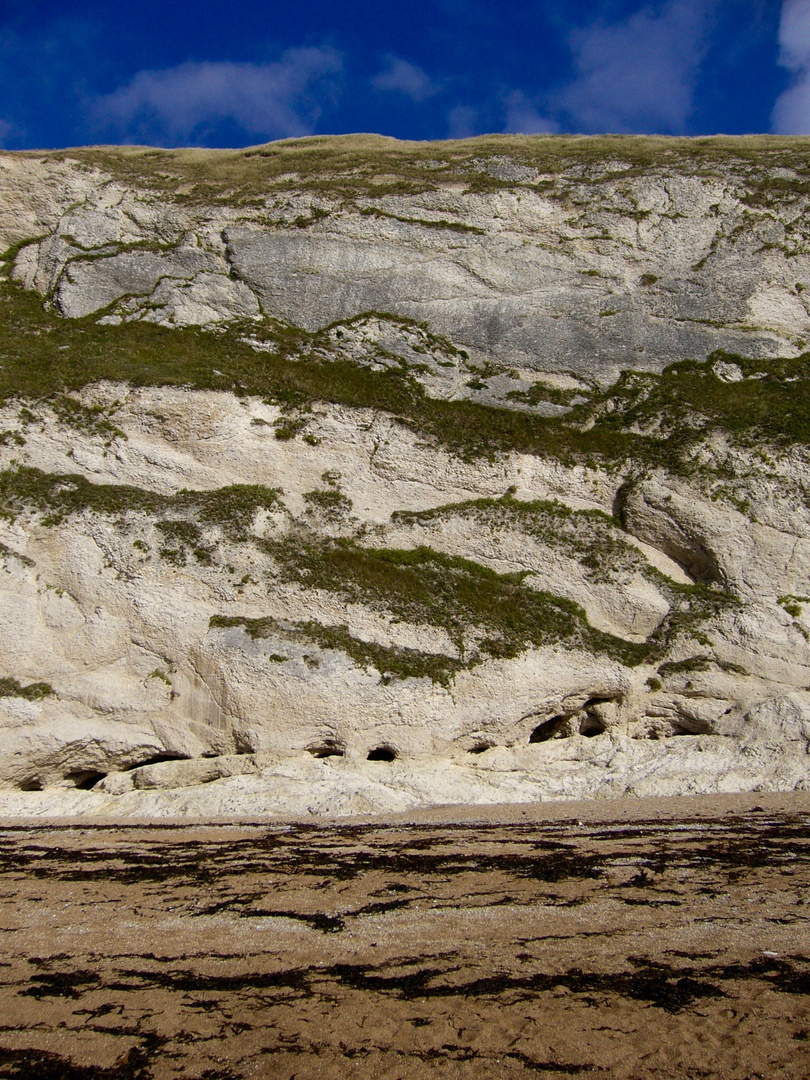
{"x": 630, "y": 939}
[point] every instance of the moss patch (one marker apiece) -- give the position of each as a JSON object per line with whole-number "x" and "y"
{"x": 58, "y": 496}
{"x": 391, "y": 662}
{"x": 32, "y": 692}
{"x": 485, "y": 614}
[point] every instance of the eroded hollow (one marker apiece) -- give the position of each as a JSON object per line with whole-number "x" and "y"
{"x": 667, "y": 533}
{"x": 589, "y": 704}
{"x": 32, "y": 784}
{"x": 548, "y": 729}
{"x": 382, "y": 753}
{"x": 591, "y": 722}
{"x": 328, "y": 748}
{"x": 591, "y": 725}
{"x": 157, "y": 759}
{"x": 480, "y": 748}
{"x": 84, "y": 778}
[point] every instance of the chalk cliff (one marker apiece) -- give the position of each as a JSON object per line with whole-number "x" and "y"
{"x": 343, "y": 475}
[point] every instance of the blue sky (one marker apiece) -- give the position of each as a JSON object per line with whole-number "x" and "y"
{"x": 199, "y": 72}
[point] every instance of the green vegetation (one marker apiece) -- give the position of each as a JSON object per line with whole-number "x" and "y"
{"x": 484, "y": 613}
{"x": 683, "y": 667}
{"x": 687, "y": 401}
{"x": 597, "y": 543}
{"x": 698, "y": 663}
{"x": 440, "y": 223}
{"x": 591, "y": 537}
{"x": 641, "y": 422}
{"x": 287, "y": 427}
{"x": 793, "y": 604}
{"x": 332, "y": 503}
{"x": 353, "y": 166}
{"x": 91, "y": 419}
{"x": 180, "y": 537}
{"x": 7, "y": 553}
{"x": 541, "y": 392}
{"x": 390, "y": 662}
{"x": 648, "y": 419}
{"x": 32, "y": 692}
{"x": 58, "y": 496}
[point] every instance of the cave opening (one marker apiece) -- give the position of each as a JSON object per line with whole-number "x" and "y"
{"x": 85, "y": 779}
{"x": 589, "y": 704}
{"x": 382, "y": 753}
{"x": 328, "y": 748}
{"x": 591, "y": 725}
{"x": 547, "y": 730}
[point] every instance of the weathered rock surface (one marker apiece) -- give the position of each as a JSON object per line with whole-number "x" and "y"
{"x": 591, "y": 269}
{"x": 219, "y": 602}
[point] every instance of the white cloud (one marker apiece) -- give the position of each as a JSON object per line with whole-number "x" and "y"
{"x": 462, "y": 122}
{"x": 638, "y": 75}
{"x": 791, "y": 114}
{"x": 522, "y": 118}
{"x": 273, "y": 100}
{"x": 405, "y": 78}
{"x": 8, "y": 131}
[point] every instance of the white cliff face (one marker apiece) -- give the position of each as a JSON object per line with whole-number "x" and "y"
{"x": 592, "y": 269}
{"x": 218, "y": 604}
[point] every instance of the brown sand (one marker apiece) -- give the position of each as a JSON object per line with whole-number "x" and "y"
{"x": 664, "y": 939}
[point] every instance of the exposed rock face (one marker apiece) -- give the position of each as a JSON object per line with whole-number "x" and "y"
{"x": 593, "y": 268}
{"x": 237, "y": 561}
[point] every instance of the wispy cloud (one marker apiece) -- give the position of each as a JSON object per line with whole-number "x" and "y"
{"x": 184, "y": 103}
{"x": 462, "y": 122}
{"x": 405, "y": 78}
{"x": 637, "y": 75}
{"x": 791, "y": 114}
{"x": 523, "y": 117}
{"x": 8, "y": 131}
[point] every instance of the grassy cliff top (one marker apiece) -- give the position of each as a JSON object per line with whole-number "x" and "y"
{"x": 349, "y": 164}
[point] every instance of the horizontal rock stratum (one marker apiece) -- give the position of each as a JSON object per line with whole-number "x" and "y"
{"x": 345, "y": 474}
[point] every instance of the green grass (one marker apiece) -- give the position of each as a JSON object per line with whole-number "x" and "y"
{"x": 32, "y": 692}
{"x": 91, "y": 419}
{"x": 371, "y": 165}
{"x": 7, "y": 553}
{"x": 540, "y": 392}
{"x": 597, "y": 542}
{"x": 647, "y": 419}
{"x": 687, "y": 401}
{"x": 485, "y": 614}
{"x": 592, "y": 537}
{"x": 331, "y": 502}
{"x": 58, "y": 496}
{"x": 439, "y": 223}
{"x": 391, "y": 662}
